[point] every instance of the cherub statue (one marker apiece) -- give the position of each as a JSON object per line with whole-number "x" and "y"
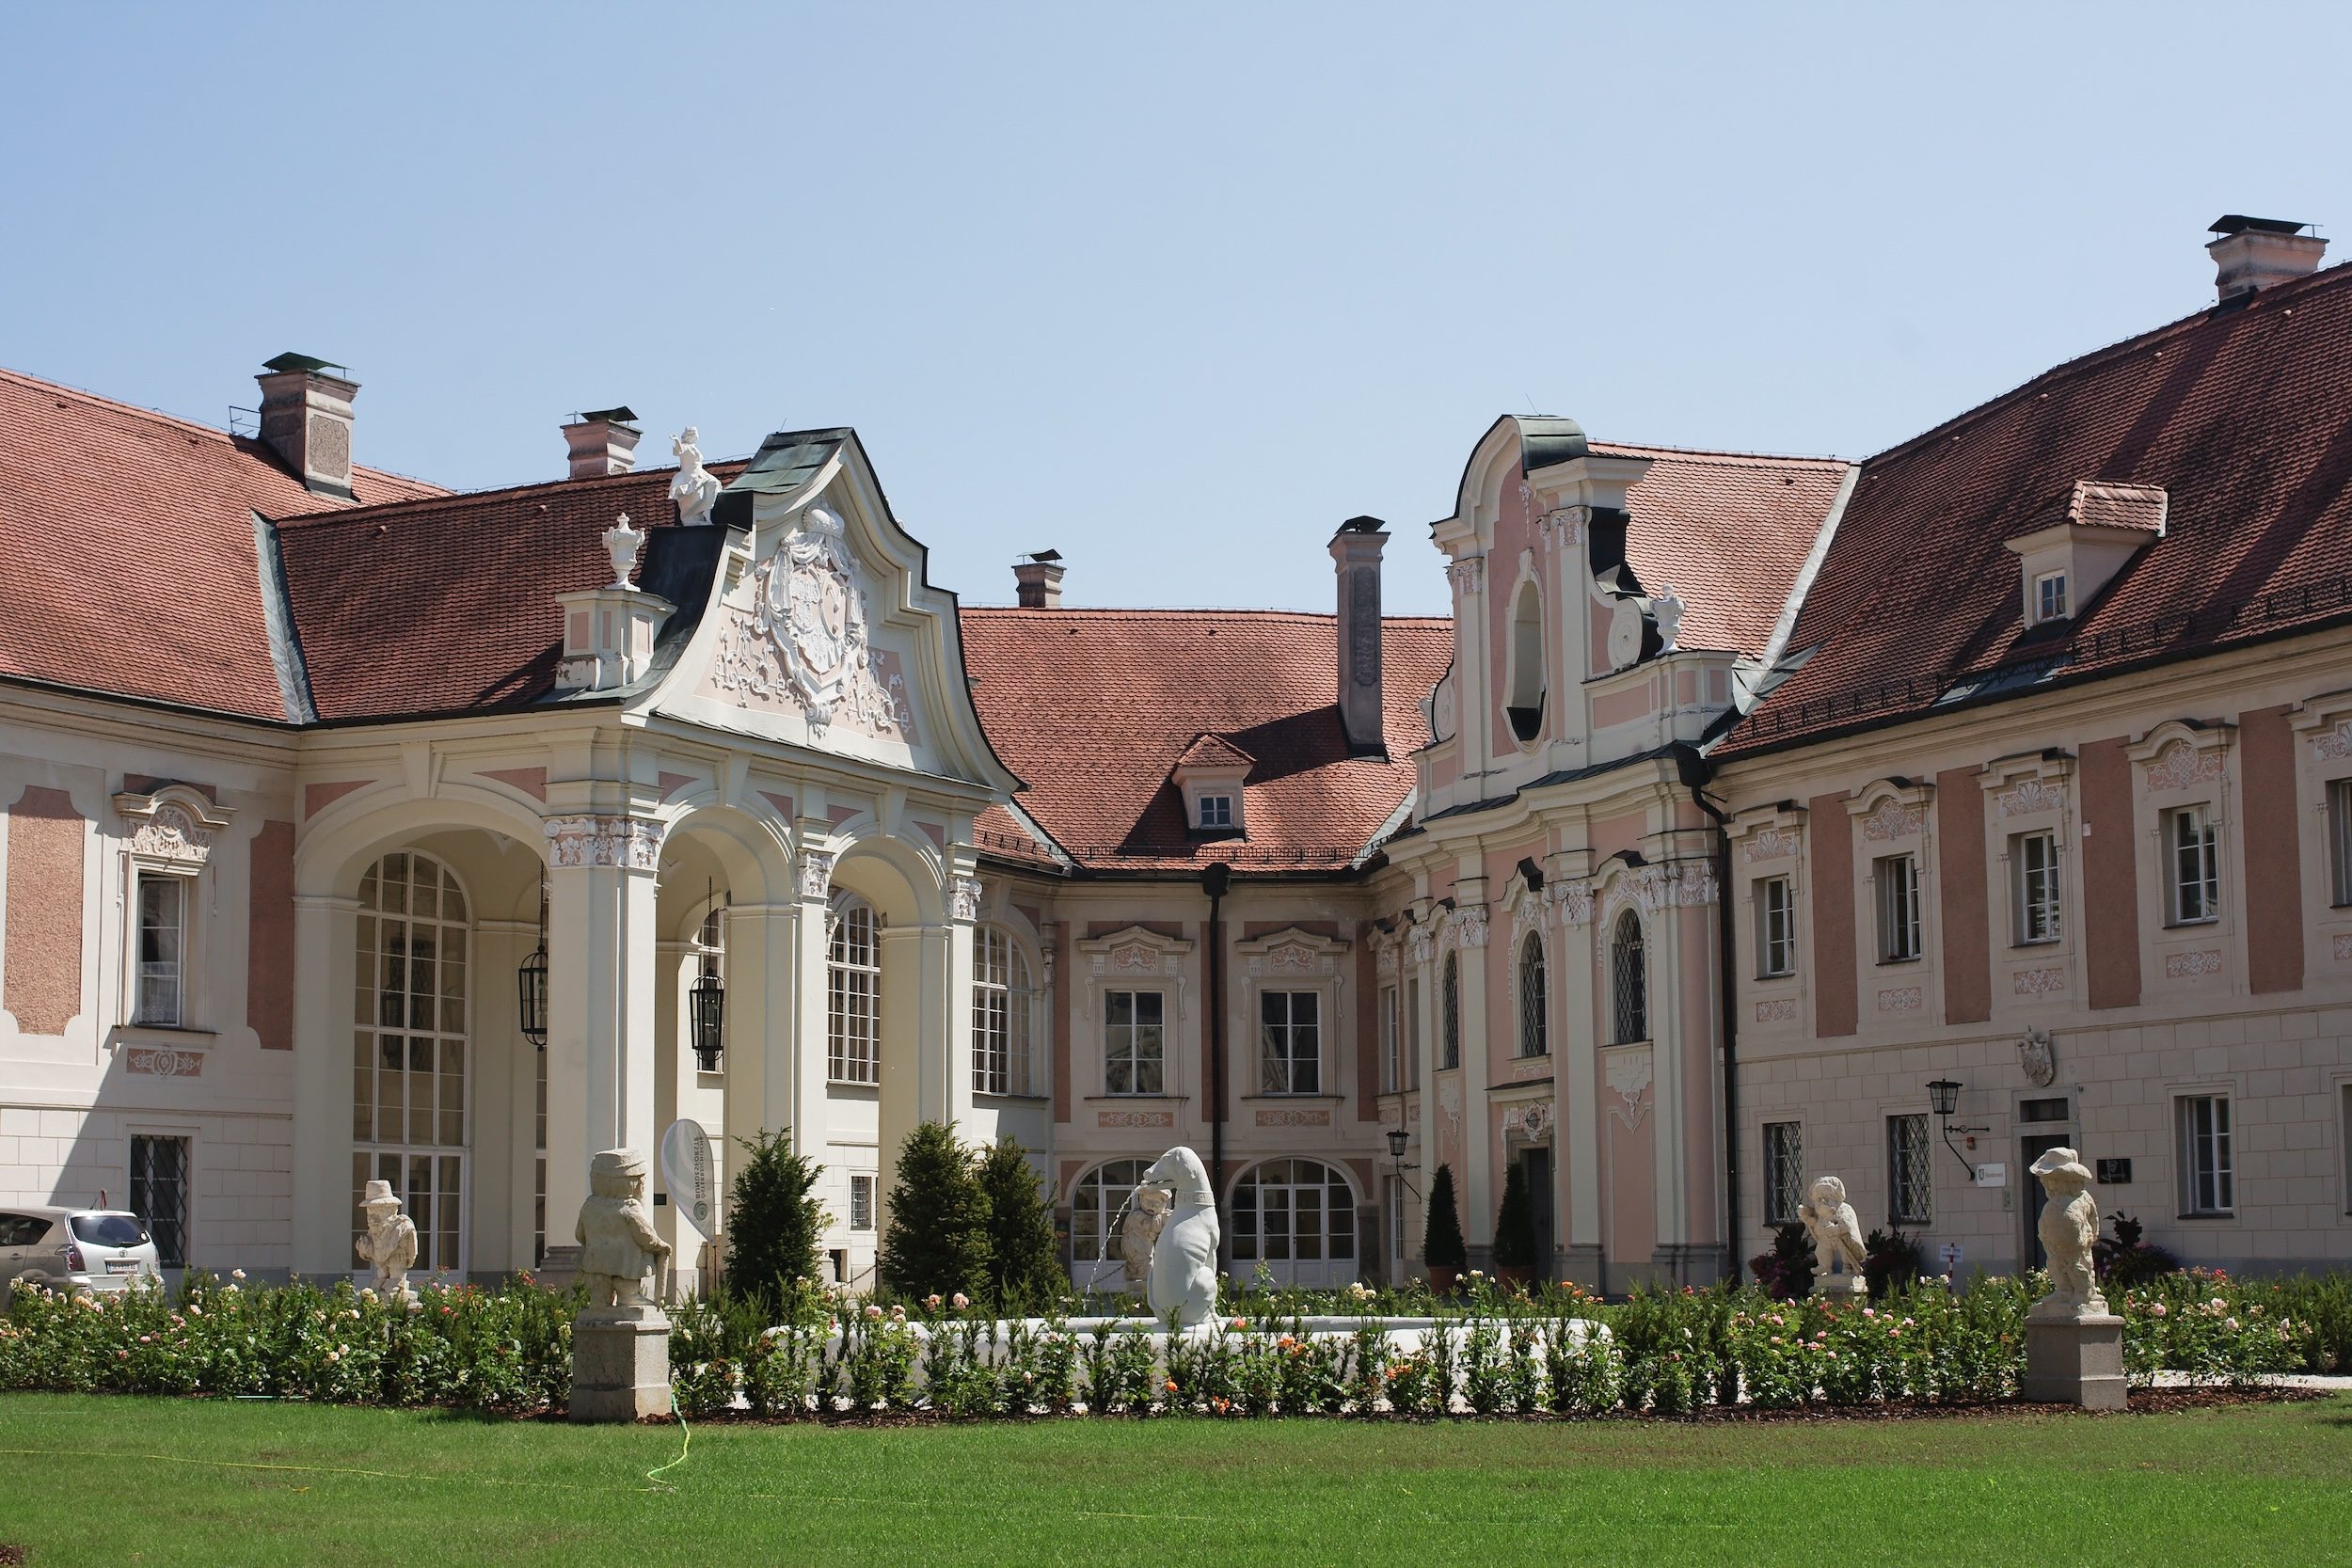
{"x": 1148, "y": 1213}
{"x": 388, "y": 1246}
{"x": 2068, "y": 1227}
{"x": 619, "y": 1249}
{"x": 695, "y": 489}
{"x": 1836, "y": 1238}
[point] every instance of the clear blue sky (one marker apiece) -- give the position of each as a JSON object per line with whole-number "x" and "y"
{"x": 1173, "y": 289}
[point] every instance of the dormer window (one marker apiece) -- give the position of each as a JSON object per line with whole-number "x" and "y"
{"x": 1210, "y": 775}
{"x": 2049, "y": 597}
{"x": 1216, "y": 813}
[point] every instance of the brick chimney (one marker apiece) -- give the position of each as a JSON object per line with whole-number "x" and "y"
{"x": 1038, "y": 578}
{"x": 603, "y": 441}
{"x": 2251, "y": 254}
{"x": 1356, "y": 554}
{"x": 305, "y": 419}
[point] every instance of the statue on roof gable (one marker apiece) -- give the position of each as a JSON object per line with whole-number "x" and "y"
{"x": 696, "y": 488}
{"x": 1667, "y": 609}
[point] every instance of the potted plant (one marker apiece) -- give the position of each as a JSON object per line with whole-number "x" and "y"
{"x": 1442, "y": 1251}
{"x": 1514, "y": 1232}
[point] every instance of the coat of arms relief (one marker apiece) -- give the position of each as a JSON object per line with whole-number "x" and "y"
{"x": 805, "y": 639}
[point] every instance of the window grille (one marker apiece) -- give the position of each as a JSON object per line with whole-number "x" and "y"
{"x": 1908, "y": 1168}
{"x": 1783, "y": 1171}
{"x": 1534, "y": 1039}
{"x": 159, "y": 1195}
{"x": 1450, "y": 1005}
{"x": 861, "y": 1203}
{"x": 1629, "y": 971}
{"x": 853, "y": 999}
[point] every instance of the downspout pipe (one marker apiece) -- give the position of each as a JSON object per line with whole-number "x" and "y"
{"x": 1696, "y": 773}
{"x": 1217, "y": 878}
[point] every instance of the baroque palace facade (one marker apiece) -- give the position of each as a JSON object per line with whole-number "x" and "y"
{"x": 1749, "y": 817}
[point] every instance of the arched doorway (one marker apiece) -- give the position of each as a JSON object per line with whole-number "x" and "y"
{"x": 1095, "y": 1201}
{"x": 1297, "y": 1218}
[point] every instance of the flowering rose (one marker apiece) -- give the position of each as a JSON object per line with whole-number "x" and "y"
{"x": 959, "y": 1301}
{"x": 2230, "y": 1324}
{"x": 873, "y": 1313}
{"x": 930, "y": 1301}
{"x": 236, "y": 1273}
{"x": 2157, "y": 1310}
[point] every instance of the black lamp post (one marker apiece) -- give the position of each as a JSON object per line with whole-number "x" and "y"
{"x": 1944, "y": 1098}
{"x": 708, "y": 1001}
{"x": 531, "y": 994}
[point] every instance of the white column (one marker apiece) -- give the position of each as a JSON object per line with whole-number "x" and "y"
{"x": 327, "y": 932}
{"x": 1478, "y": 1134}
{"x": 953, "y": 964}
{"x": 601, "y": 984}
{"x": 1579, "y": 1136}
{"x": 805, "y": 1104}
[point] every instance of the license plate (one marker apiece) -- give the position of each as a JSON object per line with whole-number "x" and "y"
{"x": 122, "y": 1265}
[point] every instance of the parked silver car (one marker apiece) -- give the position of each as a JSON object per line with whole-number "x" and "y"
{"x": 75, "y": 1249}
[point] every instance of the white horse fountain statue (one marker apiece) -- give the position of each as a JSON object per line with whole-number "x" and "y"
{"x": 1183, "y": 1278}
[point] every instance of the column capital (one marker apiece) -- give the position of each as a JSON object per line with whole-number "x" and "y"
{"x": 814, "y": 872}
{"x": 964, "y": 897}
{"x": 630, "y": 843}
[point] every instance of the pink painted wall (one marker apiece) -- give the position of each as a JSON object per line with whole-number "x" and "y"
{"x": 42, "y": 984}
{"x": 1835, "y": 987}
{"x": 1617, "y": 707}
{"x": 1965, "y": 915}
{"x": 1700, "y": 1099}
{"x": 1515, "y": 531}
{"x": 2110, "y": 878}
{"x": 2274, "y": 864}
{"x": 1629, "y": 1180}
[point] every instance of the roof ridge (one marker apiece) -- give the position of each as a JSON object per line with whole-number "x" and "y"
{"x": 1732, "y": 456}
{"x": 1047, "y": 616}
{"x": 461, "y": 498}
{"x": 227, "y": 438}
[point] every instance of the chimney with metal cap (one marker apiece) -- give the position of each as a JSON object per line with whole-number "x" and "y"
{"x": 603, "y": 441}
{"x": 1356, "y": 554}
{"x": 305, "y": 419}
{"x": 2251, "y": 254}
{"x": 1037, "y": 577}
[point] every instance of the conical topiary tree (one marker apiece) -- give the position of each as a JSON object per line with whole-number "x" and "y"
{"x": 938, "y": 1240}
{"x": 1515, "y": 1222}
{"x": 775, "y": 1224}
{"x": 1025, "y": 1261}
{"x": 1441, "y": 1246}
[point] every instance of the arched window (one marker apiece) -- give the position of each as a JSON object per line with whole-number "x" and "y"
{"x": 1294, "y": 1216}
{"x": 1629, "y": 971}
{"x": 409, "y": 1083}
{"x": 1534, "y": 993}
{"x": 1096, "y": 1203}
{"x": 1525, "y": 706}
{"x": 1001, "y": 1013}
{"x": 853, "y": 999}
{"x": 1450, "y": 1012}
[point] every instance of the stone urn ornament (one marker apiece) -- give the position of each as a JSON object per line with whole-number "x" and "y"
{"x": 388, "y": 1244}
{"x": 1837, "y": 1233}
{"x": 621, "y": 545}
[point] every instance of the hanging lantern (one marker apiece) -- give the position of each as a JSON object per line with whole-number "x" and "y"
{"x": 708, "y": 1000}
{"x": 531, "y": 993}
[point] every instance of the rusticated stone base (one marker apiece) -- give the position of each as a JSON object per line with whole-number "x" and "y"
{"x": 2075, "y": 1361}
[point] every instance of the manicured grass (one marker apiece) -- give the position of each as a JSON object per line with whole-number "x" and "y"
{"x": 117, "y": 1480}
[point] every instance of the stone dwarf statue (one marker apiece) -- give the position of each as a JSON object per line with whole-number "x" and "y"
{"x": 1141, "y": 1229}
{"x": 619, "y": 1249}
{"x": 2069, "y": 1227}
{"x": 1836, "y": 1238}
{"x": 388, "y": 1246}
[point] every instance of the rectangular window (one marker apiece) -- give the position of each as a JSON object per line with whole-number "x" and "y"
{"x": 1775, "y": 928}
{"x": 159, "y": 1195}
{"x": 2053, "y": 1109}
{"x": 2049, "y": 596}
{"x": 2194, "y": 878}
{"x": 2344, "y": 1161}
{"x": 162, "y": 911}
{"x": 1413, "y": 1032}
{"x": 1450, "y": 1011}
{"x": 1216, "y": 811}
{"x": 2034, "y": 865}
{"x": 1132, "y": 1041}
{"x": 1908, "y": 1168}
{"x": 1897, "y": 880}
{"x": 1290, "y": 1036}
{"x": 1783, "y": 1171}
{"x": 861, "y": 1203}
{"x": 854, "y": 996}
{"x": 1391, "y": 1054}
{"x": 2340, "y": 842}
{"x": 2208, "y": 1182}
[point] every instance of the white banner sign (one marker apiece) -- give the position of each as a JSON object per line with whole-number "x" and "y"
{"x": 1992, "y": 1176}
{"x": 686, "y": 1167}
{"x": 1950, "y": 1251}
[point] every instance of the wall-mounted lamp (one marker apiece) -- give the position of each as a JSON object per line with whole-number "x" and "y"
{"x": 1398, "y": 1137}
{"x": 1944, "y": 1097}
{"x": 531, "y": 995}
{"x": 709, "y": 1006}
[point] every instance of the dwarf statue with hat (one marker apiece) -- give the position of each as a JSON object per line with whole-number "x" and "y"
{"x": 2069, "y": 1227}
{"x": 619, "y": 1249}
{"x": 388, "y": 1244}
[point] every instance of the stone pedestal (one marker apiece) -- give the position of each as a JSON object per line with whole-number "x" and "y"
{"x": 1843, "y": 1285}
{"x": 619, "y": 1364}
{"x": 2074, "y": 1361}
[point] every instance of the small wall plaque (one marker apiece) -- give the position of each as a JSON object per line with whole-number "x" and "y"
{"x": 2115, "y": 1173}
{"x": 1992, "y": 1176}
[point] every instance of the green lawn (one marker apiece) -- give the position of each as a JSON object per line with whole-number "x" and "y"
{"x": 114, "y": 1480}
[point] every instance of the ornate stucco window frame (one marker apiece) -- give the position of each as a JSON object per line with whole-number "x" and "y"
{"x": 2323, "y": 751}
{"x": 1293, "y": 959}
{"x": 1767, "y": 843}
{"x": 1135, "y": 957}
{"x": 2181, "y": 765}
{"x": 1897, "y": 816}
{"x": 2034, "y": 793}
{"x": 170, "y": 830}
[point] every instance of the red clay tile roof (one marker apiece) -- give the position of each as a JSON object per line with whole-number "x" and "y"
{"x": 1728, "y": 532}
{"x": 2243, "y": 416}
{"x": 129, "y": 541}
{"x": 1093, "y": 707}
{"x": 1211, "y": 751}
{"x": 447, "y": 603}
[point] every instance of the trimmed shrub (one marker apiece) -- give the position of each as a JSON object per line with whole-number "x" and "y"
{"x": 1786, "y": 1273}
{"x": 1441, "y": 1244}
{"x": 1515, "y": 1223}
{"x": 775, "y": 1224}
{"x": 938, "y": 1243}
{"x": 1025, "y": 1261}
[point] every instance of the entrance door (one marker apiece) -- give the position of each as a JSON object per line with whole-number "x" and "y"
{"x": 1535, "y": 1166}
{"x": 2029, "y": 1149}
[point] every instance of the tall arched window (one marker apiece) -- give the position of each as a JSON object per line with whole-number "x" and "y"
{"x": 1628, "y": 972}
{"x": 1096, "y": 1203}
{"x": 408, "y": 1083}
{"x": 1297, "y": 1218}
{"x": 1001, "y": 1014}
{"x": 854, "y": 999}
{"x": 1524, "y": 707}
{"x": 1534, "y": 993}
{"x": 1450, "y": 1012}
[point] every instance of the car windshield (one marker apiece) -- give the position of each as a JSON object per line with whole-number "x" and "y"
{"x": 108, "y": 1230}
